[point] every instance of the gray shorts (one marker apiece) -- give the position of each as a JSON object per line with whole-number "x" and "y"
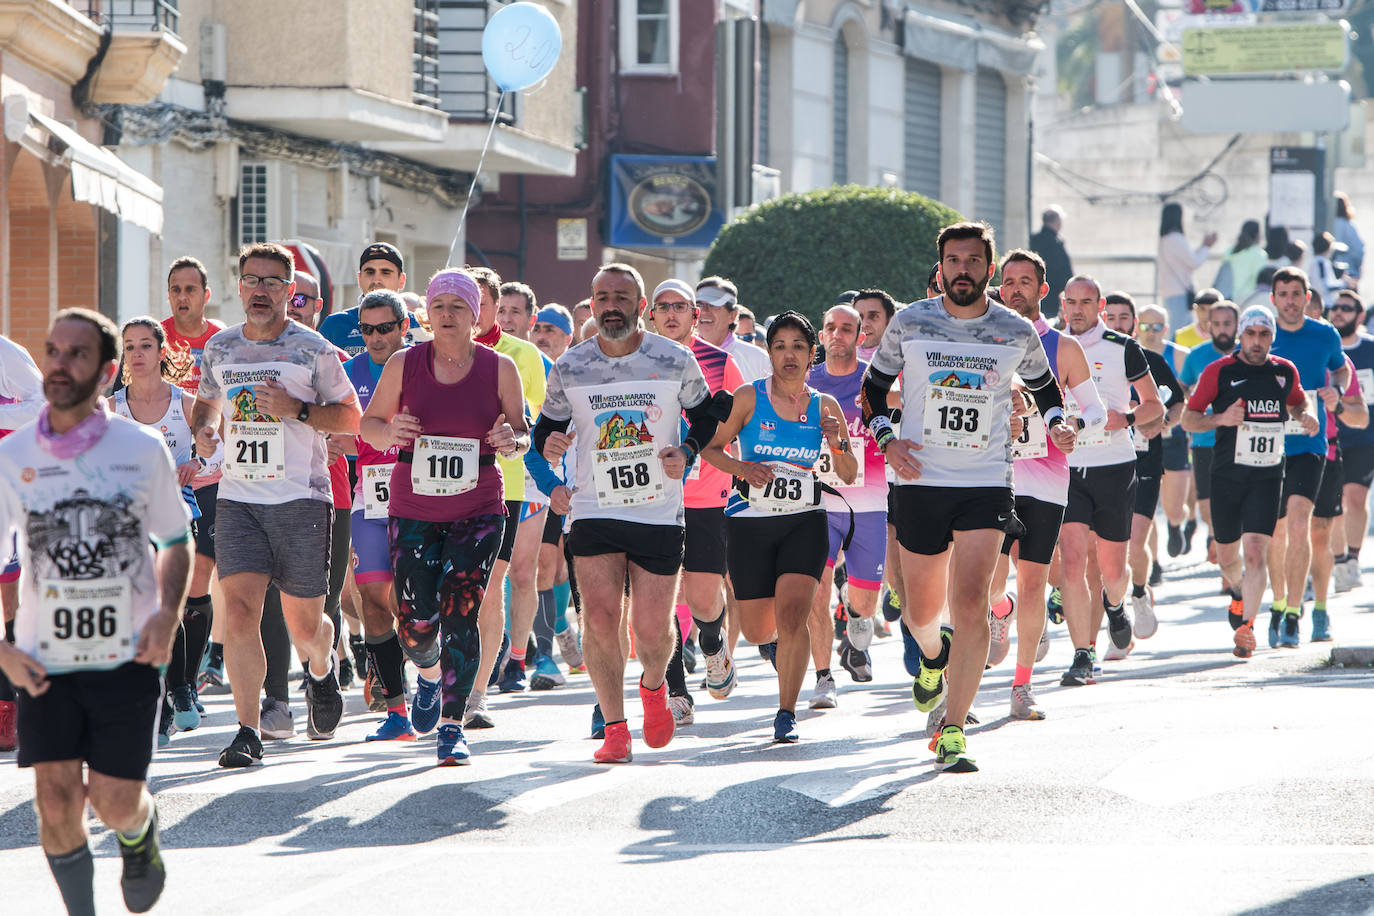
{"x": 289, "y": 543}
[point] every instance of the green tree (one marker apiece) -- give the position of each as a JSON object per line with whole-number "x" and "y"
{"x": 799, "y": 251}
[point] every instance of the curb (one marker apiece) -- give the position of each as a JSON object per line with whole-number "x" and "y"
{"x": 1353, "y": 655}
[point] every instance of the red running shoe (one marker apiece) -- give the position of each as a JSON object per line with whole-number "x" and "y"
{"x": 1245, "y": 639}
{"x": 658, "y": 718}
{"x": 8, "y": 726}
{"x": 616, "y": 747}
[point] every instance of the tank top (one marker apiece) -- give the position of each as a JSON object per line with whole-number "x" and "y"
{"x": 1045, "y": 479}
{"x": 176, "y": 432}
{"x": 466, "y": 409}
{"x": 769, "y": 438}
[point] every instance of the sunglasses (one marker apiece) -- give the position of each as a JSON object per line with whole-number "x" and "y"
{"x": 1343, "y": 307}
{"x": 386, "y": 327}
{"x": 1152, "y": 326}
{"x": 301, "y": 300}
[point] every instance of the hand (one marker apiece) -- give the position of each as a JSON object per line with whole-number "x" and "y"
{"x": 1310, "y": 424}
{"x": 1021, "y": 403}
{"x": 1018, "y": 425}
{"x": 274, "y": 400}
{"x": 187, "y": 472}
{"x": 1115, "y": 420}
{"x": 831, "y": 426}
{"x": 901, "y": 457}
{"x": 333, "y": 446}
{"x": 24, "y": 672}
{"x": 1150, "y": 430}
{"x": 674, "y": 462}
{"x": 403, "y": 428}
{"x": 1329, "y": 396}
{"x": 502, "y": 437}
{"x": 206, "y": 442}
{"x": 557, "y": 445}
{"x": 155, "y": 642}
{"x": 1209, "y": 239}
{"x": 560, "y": 500}
{"x": 1064, "y": 436}
{"x": 1233, "y": 415}
{"x": 756, "y": 474}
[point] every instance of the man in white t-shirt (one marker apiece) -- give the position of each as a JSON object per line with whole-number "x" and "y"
{"x": 281, "y": 387}
{"x": 717, "y": 311}
{"x": 105, "y": 543}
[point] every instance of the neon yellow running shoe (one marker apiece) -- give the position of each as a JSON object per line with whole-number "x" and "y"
{"x": 929, "y": 685}
{"x": 951, "y": 751}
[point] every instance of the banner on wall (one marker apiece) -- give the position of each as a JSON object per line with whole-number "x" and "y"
{"x": 664, "y": 202}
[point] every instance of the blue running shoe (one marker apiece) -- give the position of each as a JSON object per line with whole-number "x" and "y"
{"x": 1321, "y": 625}
{"x": 1288, "y": 637}
{"x": 184, "y": 705}
{"x": 499, "y": 668}
{"x": 1054, "y": 606}
{"x": 1275, "y": 618}
{"x": 598, "y": 723}
{"x": 513, "y": 678}
{"x": 395, "y": 727}
{"x": 911, "y": 652}
{"x": 195, "y": 698}
{"x": 785, "y": 727}
{"x": 547, "y": 674}
{"x": 424, "y": 711}
{"x": 453, "y": 747}
{"x": 769, "y": 650}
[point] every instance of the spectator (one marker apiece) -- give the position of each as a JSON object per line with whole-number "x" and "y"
{"x": 1175, "y": 263}
{"x": 1050, "y": 247}
{"x": 1242, "y": 265}
{"x": 1324, "y": 274}
{"x": 1345, "y": 232}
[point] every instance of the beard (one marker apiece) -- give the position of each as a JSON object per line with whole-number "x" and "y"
{"x": 1224, "y": 342}
{"x": 975, "y": 292}
{"x": 614, "y": 332}
{"x": 76, "y": 392}
{"x": 1345, "y": 330}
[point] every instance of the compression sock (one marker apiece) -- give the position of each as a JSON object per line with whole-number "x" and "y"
{"x": 676, "y": 675}
{"x": 217, "y": 654}
{"x": 562, "y": 592}
{"x": 384, "y": 656}
{"x": 176, "y": 668}
{"x": 543, "y": 624}
{"x": 75, "y": 875}
{"x": 1022, "y": 676}
{"x": 684, "y": 621}
{"x": 1137, "y": 591}
{"x": 709, "y": 634}
{"x": 200, "y": 612}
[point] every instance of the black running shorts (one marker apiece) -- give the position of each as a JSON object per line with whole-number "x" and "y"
{"x": 553, "y": 528}
{"x": 1302, "y": 476}
{"x": 1146, "y": 496}
{"x": 1202, "y": 471}
{"x": 1103, "y": 498}
{"x": 1041, "y": 521}
{"x": 762, "y": 549}
{"x": 704, "y": 547}
{"x": 106, "y": 718}
{"x": 1359, "y": 464}
{"x": 655, "y": 549}
{"x": 203, "y": 528}
{"x": 1328, "y": 502}
{"x": 927, "y": 517}
{"x": 513, "y": 509}
{"x": 1244, "y": 506}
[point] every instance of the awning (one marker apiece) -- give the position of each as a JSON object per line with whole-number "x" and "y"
{"x": 968, "y": 44}
{"x": 101, "y": 178}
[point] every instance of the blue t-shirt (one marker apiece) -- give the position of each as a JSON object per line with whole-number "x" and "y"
{"x": 1199, "y": 358}
{"x": 1315, "y": 348}
{"x": 341, "y": 329}
{"x": 1362, "y": 356}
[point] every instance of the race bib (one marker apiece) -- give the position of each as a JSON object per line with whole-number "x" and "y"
{"x": 255, "y": 450}
{"x": 1142, "y": 444}
{"x": 628, "y": 476}
{"x": 888, "y": 473}
{"x": 1088, "y": 437}
{"x": 376, "y": 490}
{"x": 84, "y": 625}
{"x": 1366, "y": 379}
{"x": 444, "y": 465}
{"x": 1259, "y": 445}
{"x": 792, "y": 489}
{"x": 957, "y": 418}
{"x": 1292, "y": 427}
{"x": 1034, "y": 441}
{"x": 694, "y": 472}
{"x": 825, "y": 470}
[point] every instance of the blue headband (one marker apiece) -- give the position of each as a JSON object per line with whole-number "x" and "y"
{"x": 555, "y": 317}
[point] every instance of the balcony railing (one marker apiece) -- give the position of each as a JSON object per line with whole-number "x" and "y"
{"x": 151, "y": 15}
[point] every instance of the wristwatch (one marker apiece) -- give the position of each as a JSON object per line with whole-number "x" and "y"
{"x": 304, "y": 415}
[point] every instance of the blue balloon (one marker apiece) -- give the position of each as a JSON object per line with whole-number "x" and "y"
{"x": 520, "y": 45}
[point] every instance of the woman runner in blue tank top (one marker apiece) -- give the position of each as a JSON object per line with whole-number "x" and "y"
{"x": 778, "y": 539}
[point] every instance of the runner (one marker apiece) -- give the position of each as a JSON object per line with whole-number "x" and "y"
{"x": 1148, "y": 438}
{"x": 1176, "y": 485}
{"x": 151, "y": 397}
{"x": 515, "y": 310}
{"x": 954, "y": 464}
{"x": 717, "y": 308}
{"x": 1315, "y": 348}
{"x": 705, "y": 494}
{"x": 380, "y": 266}
{"x": 1245, "y": 398}
{"x": 88, "y": 682}
{"x": 776, "y": 520}
{"x": 1042, "y": 487}
{"x": 450, "y": 407}
{"x": 552, "y": 331}
{"x": 622, "y": 392}
{"x": 876, "y": 308}
{"x": 1222, "y": 318}
{"x": 1102, "y": 483}
{"x": 283, "y": 386}
{"x": 857, "y": 515}
{"x": 1357, "y": 445}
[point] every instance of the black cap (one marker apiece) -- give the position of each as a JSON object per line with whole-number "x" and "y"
{"x": 847, "y": 297}
{"x": 381, "y": 251}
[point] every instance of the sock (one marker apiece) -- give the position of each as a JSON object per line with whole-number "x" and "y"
{"x": 200, "y": 613}
{"x": 543, "y": 624}
{"x": 518, "y": 656}
{"x": 562, "y": 593}
{"x": 941, "y": 660}
{"x": 217, "y": 654}
{"x": 1175, "y": 529}
{"x": 385, "y": 657}
{"x": 1002, "y": 608}
{"x": 1022, "y": 676}
{"x": 75, "y": 875}
{"x": 822, "y": 674}
{"x": 1279, "y": 606}
{"x": 176, "y": 668}
{"x": 6, "y": 688}
{"x": 133, "y": 839}
{"x": 1137, "y": 590}
{"x": 676, "y": 675}
{"x": 257, "y": 732}
{"x": 1353, "y": 553}
{"x": 709, "y": 634}
{"x": 1110, "y": 609}
{"x": 684, "y": 621}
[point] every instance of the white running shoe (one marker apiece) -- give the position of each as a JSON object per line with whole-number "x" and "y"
{"x": 720, "y": 674}
{"x": 1023, "y": 704}
{"x": 475, "y": 713}
{"x": 682, "y": 710}
{"x": 1352, "y": 567}
{"x": 860, "y": 632}
{"x": 275, "y": 721}
{"x": 569, "y": 648}
{"x": 1000, "y": 628}
{"x": 1114, "y": 654}
{"x": 826, "y": 694}
{"x": 1340, "y": 577}
{"x": 1043, "y": 648}
{"x": 1143, "y": 610}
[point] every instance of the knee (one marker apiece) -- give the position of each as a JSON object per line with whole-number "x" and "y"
{"x": 116, "y": 808}
{"x": 420, "y": 641}
{"x": 756, "y": 631}
{"x": 59, "y": 803}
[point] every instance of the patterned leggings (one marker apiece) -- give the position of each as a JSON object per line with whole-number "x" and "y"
{"x": 442, "y": 570}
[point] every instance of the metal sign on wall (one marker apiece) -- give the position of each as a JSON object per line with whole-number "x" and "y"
{"x": 1322, "y": 46}
{"x": 664, "y": 202}
{"x": 1268, "y": 6}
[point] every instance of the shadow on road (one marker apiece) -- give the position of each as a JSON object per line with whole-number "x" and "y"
{"x": 1349, "y": 897}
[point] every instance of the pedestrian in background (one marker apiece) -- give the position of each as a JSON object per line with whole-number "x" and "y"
{"x": 1050, "y": 246}
{"x": 1345, "y": 232}
{"x": 1241, "y": 267}
{"x": 1175, "y": 263}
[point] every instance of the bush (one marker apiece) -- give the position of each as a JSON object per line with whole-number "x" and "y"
{"x": 801, "y": 250}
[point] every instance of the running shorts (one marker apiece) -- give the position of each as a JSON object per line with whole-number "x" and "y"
{"x": 762, "y": 549}
{"x": 1146, "y": 496}
{"x": 1249, "y": 506}
{"x": 1359, "y": 464}
{"x": 927, "y": 517}
{"x": 1102, "y": 498}
{"x": 655, "y": 549}
{"x": 1202, "y": 471}
{"x": 1302, "y": 476}
{"x": 289, "y": 543}
{"x": 371, "y": 551}
{"x": 863, "y": 561}
{"x": 1041, "y": 521}
{"x": 203, "y": 528}
{"x": 704, "y": 547}
{"x": 1328, "y": 502}
{"x": 106, "y": 718}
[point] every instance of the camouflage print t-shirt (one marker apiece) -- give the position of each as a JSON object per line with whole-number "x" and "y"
{"x": 625, "y": 409}
{"x": 270, "y": 460}
{"x": 956, "y": 388}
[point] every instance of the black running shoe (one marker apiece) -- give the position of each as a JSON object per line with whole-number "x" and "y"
{"x": 1175, "y": 546}
{"x": 689, "y": 656}
{"x": 244, "y": 751}
{"x": 1080, "y": 672}
{"x": 858, "y": 663}
{"x": 1118, "y": 625}
{"x": 324, "y": 707}
{"x": 345, "y": 673}
{"x": 144, "y": 874}
{"x": 358, "y": 649}
{"x": 1156, "y": 573}
{"x": 1189, "y": 529}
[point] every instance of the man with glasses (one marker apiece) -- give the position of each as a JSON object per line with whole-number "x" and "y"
{"x": 1153, "y": 334}
{"x": 280, "y": 385}
{"x": 1357, "y": 445}
{"x": 379, "y": 267}
{"x": 1221, "y": 319}
{"x": 717, "y": 302}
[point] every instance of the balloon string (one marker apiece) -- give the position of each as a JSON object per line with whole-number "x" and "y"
{"x": 462, "y": 217}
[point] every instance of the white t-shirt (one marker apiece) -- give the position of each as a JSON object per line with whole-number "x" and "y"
{"x": 1115, "y": 361}
{"x": 21, "y": 386}
{"x": 91, "y": 521}
{"x": 752, "y": 362}
{"x": 272, "y": 460}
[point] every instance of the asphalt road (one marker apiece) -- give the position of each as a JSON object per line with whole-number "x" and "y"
{"x": 1185, "y": 781}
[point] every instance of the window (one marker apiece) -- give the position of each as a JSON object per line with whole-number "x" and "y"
{"x": 840, "y": 150}
{"x": 765, "y": 60}
{"x": 465, "y": 90}
{"x": 990, "y": 149}
{"x": 648, "y": 36}
{"x": 252, "y": 203}
{"x": 424, "y": 58}
{"x": 921, "y": 116}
